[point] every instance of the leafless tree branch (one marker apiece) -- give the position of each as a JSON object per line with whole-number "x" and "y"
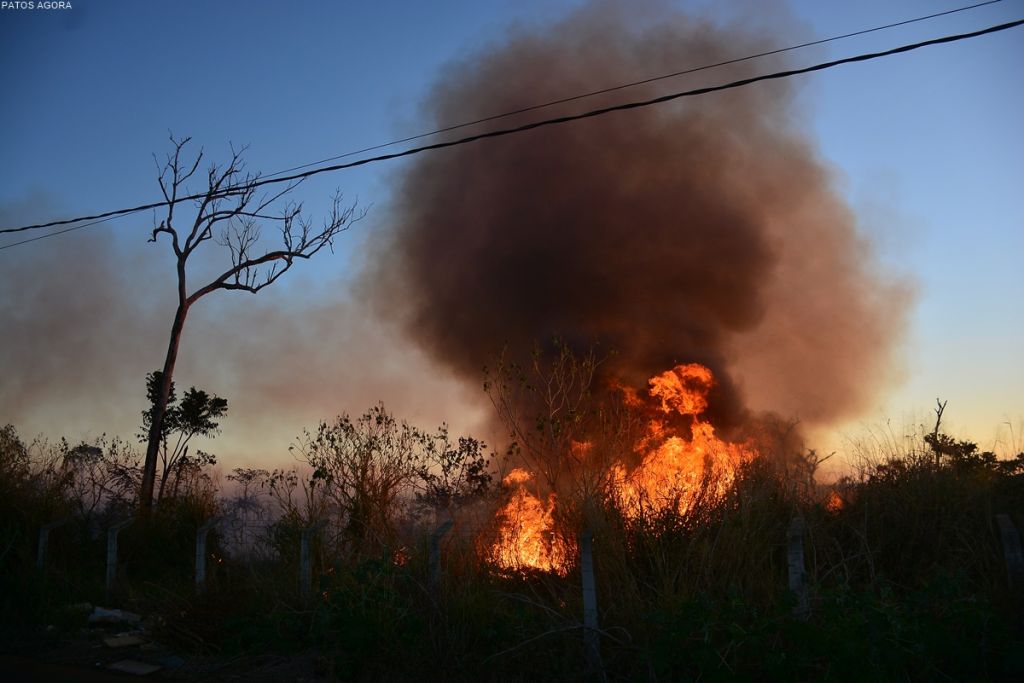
{"x": 230, "y": 214}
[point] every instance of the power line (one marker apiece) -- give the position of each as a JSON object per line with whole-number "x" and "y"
{"x": 551, "y": 122}
{"x": 558, "y": 101}
{"x": 633, "y": 84}
{"x": 544, "y": 105}
{"x": 67, "y": 230}
{"x": 641, "y": 103}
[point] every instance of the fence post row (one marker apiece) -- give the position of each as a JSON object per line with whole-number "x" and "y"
{"x": 201, "y": 534}
{"x": 1011, "y": 550}
{"x": 797, "y": 567}
{"x": 435, "y": 557}
{"x": 305, "y": 563}
{"x": 591, "y": 632}
{"x": 44, "y": 539}
{"x": 112, "y": 533}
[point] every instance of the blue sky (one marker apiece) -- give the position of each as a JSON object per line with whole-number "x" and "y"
{"x": 925, "y": 147}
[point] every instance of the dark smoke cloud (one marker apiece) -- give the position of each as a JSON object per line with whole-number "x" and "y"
{"x": 701, "y": 231}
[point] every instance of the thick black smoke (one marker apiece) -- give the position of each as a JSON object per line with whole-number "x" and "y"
{"x": 705, "y": 230}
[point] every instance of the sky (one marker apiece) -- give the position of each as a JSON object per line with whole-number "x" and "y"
{"x": 924, "y": 148}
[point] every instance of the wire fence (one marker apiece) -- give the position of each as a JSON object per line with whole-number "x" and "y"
{"x": 306, "y": 552}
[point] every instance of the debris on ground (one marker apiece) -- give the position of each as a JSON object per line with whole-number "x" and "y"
{"x": 102, "y": 615}
{"x": 124, "y": 641}
{"x": 132, "y": 666}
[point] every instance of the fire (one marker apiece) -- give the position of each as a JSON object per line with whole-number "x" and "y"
{"x": 677, "y": 472}
{"x": 674, "y": 470}
{"x": 834, "y": 503}
{"x": 526, "y": 538}
{"x": 683, "y": 389}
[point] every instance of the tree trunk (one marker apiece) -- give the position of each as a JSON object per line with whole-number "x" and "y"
{"x": 163, "y": 485}
{"x": 160, "y": 410}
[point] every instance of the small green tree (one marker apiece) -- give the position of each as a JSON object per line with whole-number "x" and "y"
{"x": 366, "y": 464}
{"x": 373, "y": 467}
{"x": 451, "y": 473}
{"x": 99, "y": 476}
{"x": 14, "y": 458}
{"x": 196, "y": 415}
{"x": 961, "y": 454}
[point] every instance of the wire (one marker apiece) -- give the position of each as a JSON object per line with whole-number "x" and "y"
{"x": 568, "y": 99}
{"x": 554, "y": 121}
{"x": 641, "y": 103}
{"x": 66, "y": 230}
{"x": 624, "y": 86}
{"x": 560, "y": 101}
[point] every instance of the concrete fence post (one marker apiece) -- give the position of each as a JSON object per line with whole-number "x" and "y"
{"x": 112, "y": 533}
{"x": 305, "y": 560}
{"x": 591, "y": 632}
{"x": 435, "y": 558}
{"x": 44, "y": 539}
{"x": 797, "y": 566}
{"x": 1011, "y": 550}
{"x": 201, "y": 534}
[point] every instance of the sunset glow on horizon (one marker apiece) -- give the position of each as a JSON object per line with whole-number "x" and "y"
{"x": 918, "y": 153}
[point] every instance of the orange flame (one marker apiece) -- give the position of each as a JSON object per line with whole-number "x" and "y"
{"x": 526, "y": 538}
{"x": 674, "y": 471}
{"x": 683, "y": 389}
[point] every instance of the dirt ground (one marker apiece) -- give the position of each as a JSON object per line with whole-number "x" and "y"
{"x": 99, "y": 654}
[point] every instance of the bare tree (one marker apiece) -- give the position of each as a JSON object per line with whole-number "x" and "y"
{"x": 229, "y": 212}
{"x": 569, "y": 429}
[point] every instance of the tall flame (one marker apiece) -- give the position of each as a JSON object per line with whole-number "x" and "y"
{"x": 526, "y": 530}
{"x": 674, "y": 471}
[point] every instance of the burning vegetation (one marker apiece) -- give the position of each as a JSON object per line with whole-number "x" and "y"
{"x": 676, "y": 460}
{"x": 675, "y": 468}
{"x": 701, "y": 244}
{"x": 526, "y": 537}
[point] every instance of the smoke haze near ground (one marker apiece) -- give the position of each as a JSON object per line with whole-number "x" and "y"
{"x": 86, "y": 316}
{"x": 705, "y": 230}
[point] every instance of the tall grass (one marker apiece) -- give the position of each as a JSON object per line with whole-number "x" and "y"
{"x": 906, "y": 575}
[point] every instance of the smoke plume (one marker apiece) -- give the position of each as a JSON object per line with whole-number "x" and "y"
{"x": 705, "y": 230}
